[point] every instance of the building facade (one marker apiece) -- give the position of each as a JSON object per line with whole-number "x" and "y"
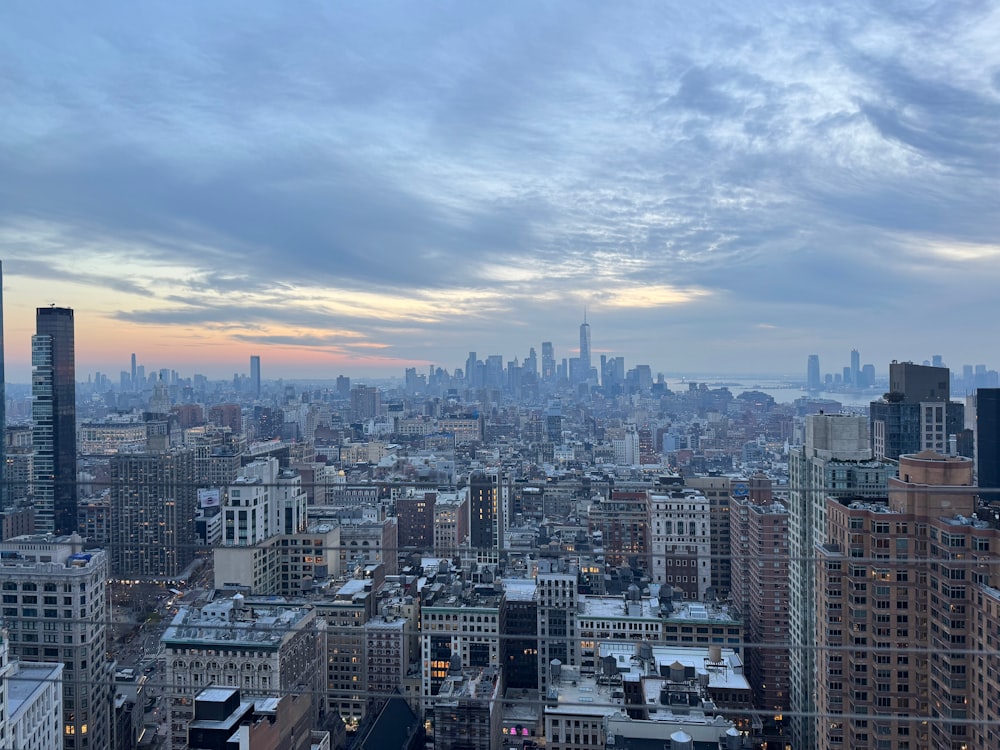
{"x": 53, "y": 412}
{"x": 260, "y": 650}
{"x": 153, "y": 505}
{"x": 55, "y": 609}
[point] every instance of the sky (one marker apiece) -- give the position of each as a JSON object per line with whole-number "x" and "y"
{"x": 347, "y": 187}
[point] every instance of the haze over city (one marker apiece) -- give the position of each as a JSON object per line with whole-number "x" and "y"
{"x": 362, "y": 188}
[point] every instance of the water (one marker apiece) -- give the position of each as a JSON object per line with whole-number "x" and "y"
{"x": 783, "y": 392}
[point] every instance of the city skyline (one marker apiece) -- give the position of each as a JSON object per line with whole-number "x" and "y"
{"x": 721, "y": 187}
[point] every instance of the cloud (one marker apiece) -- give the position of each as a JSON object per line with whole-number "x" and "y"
{"x": 414, "y": 177}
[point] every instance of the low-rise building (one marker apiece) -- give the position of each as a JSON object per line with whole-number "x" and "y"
{"x": 228, "y": 644}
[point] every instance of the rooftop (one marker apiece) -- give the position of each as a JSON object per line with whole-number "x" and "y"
{"x": 231, "y": 622}
{"x": 28, "y": 681}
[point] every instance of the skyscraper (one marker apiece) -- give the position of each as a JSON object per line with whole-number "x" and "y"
{"x": 835, "y": 461}
{"x": 813, "y": 380}
{"x": 53, "y": 412}
{"x": 917, "y": 414}
{"x": 548, "y": 361}
{"x": 585, "y": 349}
{"x": 153, "y": 503}
{"x": 855, "y": 368}
{"x": 255, "y": 375}
{"x": 3, "y": 409}
{"x": 988, "y": 439}
{"x": 489, "y": 511}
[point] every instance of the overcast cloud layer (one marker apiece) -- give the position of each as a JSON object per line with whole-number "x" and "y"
{"x": 360, "y": 186}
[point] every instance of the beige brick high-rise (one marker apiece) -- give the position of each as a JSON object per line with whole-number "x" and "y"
{"x": 904, "y": 589}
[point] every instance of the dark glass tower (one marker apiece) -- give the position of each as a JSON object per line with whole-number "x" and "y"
{"x": 4, "y": 500}
{"x": 988, "y": 440}
{"x": 53, "y": 411}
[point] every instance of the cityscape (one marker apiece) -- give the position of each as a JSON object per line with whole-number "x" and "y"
{"x": 569, "y": 552}
{"x": 499, "y": 376}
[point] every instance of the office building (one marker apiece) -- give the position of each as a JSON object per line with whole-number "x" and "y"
{"x": 558, "y": 630}
{"x": 55, "y": 609}
{"x": 489, "y": 504}
{"x": 520, "y": 646}
{"x": 917, "y": 413}
{"x": 451, "y": 522}
{"x": 988, "y": 441}
{"x": 255, "y": 375}
{"x": 366, "y": 402}
{"x": 345, "y": 614}
{"x": 5, "y": 498}
{"x": 548, "y": 361}
{"x": 585, "y": 363}
{"x": 153, "y": 504}
{"x": 262, "y": 650}
{"x": 227, "y": 415}
{"x": 814, "y": 380}
{"x": 463, "y": 622}
{"x": 415, "y": 515}
{"x": 53, "y": 412}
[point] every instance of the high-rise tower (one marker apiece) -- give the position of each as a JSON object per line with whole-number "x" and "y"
{"x": 255, "y": 375}
{"x": 988, "y": 439}
{"x": 916, "y": 414}
{"x": 53, "y": 412}
{"x": 585, "y": 349}
{"x": 548, "y": 361}
{"x": 3, "y": 410}
{"x": 835, "y": 461}
{"x": 812, "y": 373}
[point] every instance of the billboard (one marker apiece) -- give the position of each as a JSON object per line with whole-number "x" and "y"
{"x": 208, "y": 498}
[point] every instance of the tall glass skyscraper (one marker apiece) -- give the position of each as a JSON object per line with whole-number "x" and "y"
{"x": 4, "y": 500}
{"x": 813, "y": 378}
{"x": 585, "y": 350}
{"x": 53, "y": 412}
{"x": 255, "y": 375}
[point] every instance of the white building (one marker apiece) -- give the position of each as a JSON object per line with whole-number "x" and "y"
{"x": 263, "y": 501}
{"x": 30, "y": 704}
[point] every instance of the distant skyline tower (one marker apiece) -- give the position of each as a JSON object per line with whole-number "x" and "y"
{"x": 855, "y": 368}
{"x": 135, "y": 386}
{"x": 255, "y": 374}
{"x": 548, "y": 361}
{"x": 3, "y": 408}
{"x": 53, "y": 412}
{"x": 814, "y": 380}
{"x": 470, "y": 368}
{"x": 585, "y": 348}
